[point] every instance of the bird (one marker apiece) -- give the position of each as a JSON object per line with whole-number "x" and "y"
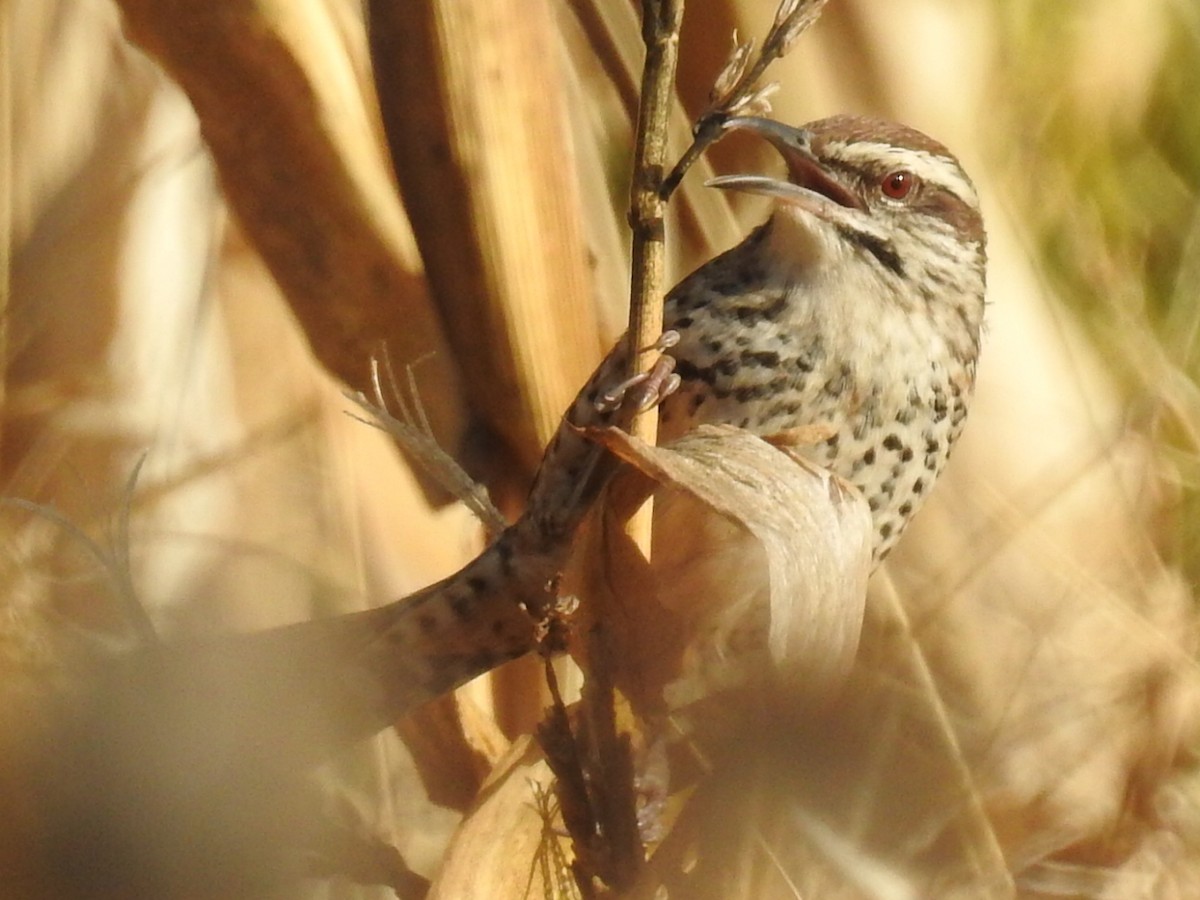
{"x": 854, "y": 311}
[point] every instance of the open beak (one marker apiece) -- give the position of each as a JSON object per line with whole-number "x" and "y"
{"x": 810, "y": 185}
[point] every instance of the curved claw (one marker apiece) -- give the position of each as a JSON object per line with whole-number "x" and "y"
{"x": 656, "y": 388}
{"x": 644, "y": 390}
{"x": 666, "y": 340}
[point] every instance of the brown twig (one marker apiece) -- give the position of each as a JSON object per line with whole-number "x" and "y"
{"x": 592, "y": 766}
{"x": 610, "y": 769}
{"x": 594, "y": 763}
{"x": 736, "y": 90}
{"x": 661, "y": 21}
{"x": 595, "y": 779}
{"x": 561, "y": 747}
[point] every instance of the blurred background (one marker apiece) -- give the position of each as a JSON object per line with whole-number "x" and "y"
{"x": 214, "y": 214}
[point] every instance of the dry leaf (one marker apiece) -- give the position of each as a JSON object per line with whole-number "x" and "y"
{"x": 294, "y": 137}
{"x": 776, "y": 603}
{"x": 760, "y": 566}
{"x": 475, "y": 109}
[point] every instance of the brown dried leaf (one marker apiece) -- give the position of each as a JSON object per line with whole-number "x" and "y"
{"x": 758, "y": 577}
{"x": 294, "y": 136}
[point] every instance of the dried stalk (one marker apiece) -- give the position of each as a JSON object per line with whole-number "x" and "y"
{"x": 474, "y": 109}
{"x": 604, "y": 824}
{"x": 295, "y": 146}
{"x": 613, "y": 30}
{"x": 661, "y": 22}
{"x": 412, "y": 433}
{"x": 608, "y": 847}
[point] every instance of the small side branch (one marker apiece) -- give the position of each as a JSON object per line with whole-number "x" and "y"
{"x": 736, "y": 91}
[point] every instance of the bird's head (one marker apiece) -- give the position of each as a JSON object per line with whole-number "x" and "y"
{"x": 883, "y": 195}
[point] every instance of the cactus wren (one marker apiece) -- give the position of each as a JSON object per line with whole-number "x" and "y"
{"x": 855, "y": 309}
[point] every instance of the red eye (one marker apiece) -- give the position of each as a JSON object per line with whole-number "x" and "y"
{"x": 898, "y": 184}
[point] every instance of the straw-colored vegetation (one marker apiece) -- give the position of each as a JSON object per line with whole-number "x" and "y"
{"x": 197, "y": 275}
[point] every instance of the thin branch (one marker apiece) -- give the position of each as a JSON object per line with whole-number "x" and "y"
{"x": 661, "y": 21}
{"x": 122, "y": 565}
{"x": 593, "y": 769}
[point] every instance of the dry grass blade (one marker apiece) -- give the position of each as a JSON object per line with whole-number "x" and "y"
{"x": 114, "y": 559}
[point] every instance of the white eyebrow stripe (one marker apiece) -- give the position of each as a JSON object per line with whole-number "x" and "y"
{"x": 927, "y": 166}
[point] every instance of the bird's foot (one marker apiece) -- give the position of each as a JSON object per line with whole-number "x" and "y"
{"x": 645, "y": 389}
